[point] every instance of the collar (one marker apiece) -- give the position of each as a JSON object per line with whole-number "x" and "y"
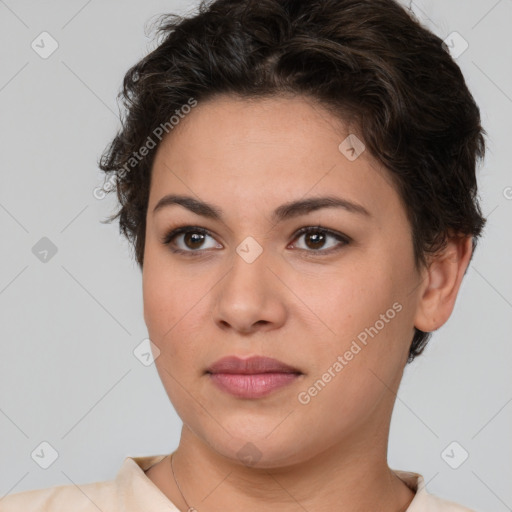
{"x": 137, "y": 492}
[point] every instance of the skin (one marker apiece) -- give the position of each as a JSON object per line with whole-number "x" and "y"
{"x": 292, "y": 303}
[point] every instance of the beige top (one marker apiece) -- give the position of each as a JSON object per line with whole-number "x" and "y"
{"x": 133, "y": 491}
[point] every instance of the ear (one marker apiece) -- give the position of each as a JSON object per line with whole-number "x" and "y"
{"x": 441, "y": 283}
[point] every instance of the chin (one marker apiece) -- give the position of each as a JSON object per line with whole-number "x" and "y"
{"x": 260, "y": 451}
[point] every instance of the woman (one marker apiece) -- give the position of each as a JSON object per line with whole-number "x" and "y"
{"x": 298, "y": 182}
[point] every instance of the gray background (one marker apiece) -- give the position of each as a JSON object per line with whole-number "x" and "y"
{"x": 69, "y": 326}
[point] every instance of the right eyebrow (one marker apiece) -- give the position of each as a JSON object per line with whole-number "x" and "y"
{"x": 281, "y": 213}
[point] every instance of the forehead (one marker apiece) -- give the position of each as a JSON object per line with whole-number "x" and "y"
{"x": 243, "y": 153}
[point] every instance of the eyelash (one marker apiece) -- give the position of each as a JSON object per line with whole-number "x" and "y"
{"x": 168, "y": 237}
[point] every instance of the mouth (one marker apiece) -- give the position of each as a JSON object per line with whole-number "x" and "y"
{"x": 254, "y": 377}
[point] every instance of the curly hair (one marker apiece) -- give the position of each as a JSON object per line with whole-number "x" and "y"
{"x": 370, "y": 61}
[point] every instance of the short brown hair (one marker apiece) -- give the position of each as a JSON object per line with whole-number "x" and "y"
{"x": 367, "y": 60}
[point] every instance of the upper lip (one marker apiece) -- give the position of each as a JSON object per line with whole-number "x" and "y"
{"x": 251, "y": 365}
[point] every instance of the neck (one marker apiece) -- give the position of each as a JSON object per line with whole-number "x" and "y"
{"x": 210, "y": 481}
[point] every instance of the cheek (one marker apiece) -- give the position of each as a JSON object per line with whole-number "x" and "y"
{"x": 353, "y": 297}
{"x": 162, "y": 309}
{"x": 364, "y": 305}
{"x": 157, "y": 302}
{"x": 164, "y": 292}
{"x": 174, "y": 312}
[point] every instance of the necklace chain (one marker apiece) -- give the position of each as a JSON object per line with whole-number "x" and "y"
{"x": 189, "y": 508}
{"x": 192, "y": 509}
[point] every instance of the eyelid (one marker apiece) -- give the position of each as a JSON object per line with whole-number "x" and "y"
{"x": 174, "y": 232}
{"x": 167, "y": 238}
{"x": 330, "y": 232}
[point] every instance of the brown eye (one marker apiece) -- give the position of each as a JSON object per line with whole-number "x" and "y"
{"x": 189, "y": 239}
{"x": 316, "y": 238}
{"x": 193, "y": 240}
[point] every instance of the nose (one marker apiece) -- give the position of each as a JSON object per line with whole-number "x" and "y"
{"x": 250, "y": 297}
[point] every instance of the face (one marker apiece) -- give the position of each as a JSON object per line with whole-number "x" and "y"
{"x": 336, "y": 302}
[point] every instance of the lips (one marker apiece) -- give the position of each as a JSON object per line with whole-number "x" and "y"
{"x": 252, "y": 365}
{"x": 252, "y": 378}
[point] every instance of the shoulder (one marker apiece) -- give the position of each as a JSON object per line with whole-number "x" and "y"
{"x": 130, "y": 491}
{"x": 423, "y": 501}
{"x": 62, "y": 498}
{"x": 434, "y": 503}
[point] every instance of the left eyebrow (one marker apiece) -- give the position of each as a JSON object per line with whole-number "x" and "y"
{"x": 281, "y": 213}
{"x": 305, "y": 206}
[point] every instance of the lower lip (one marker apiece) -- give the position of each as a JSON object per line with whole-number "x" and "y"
{"x": 252, "y": 386}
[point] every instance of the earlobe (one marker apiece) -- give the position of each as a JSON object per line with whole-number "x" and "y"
{"x": 441, "y": 284}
